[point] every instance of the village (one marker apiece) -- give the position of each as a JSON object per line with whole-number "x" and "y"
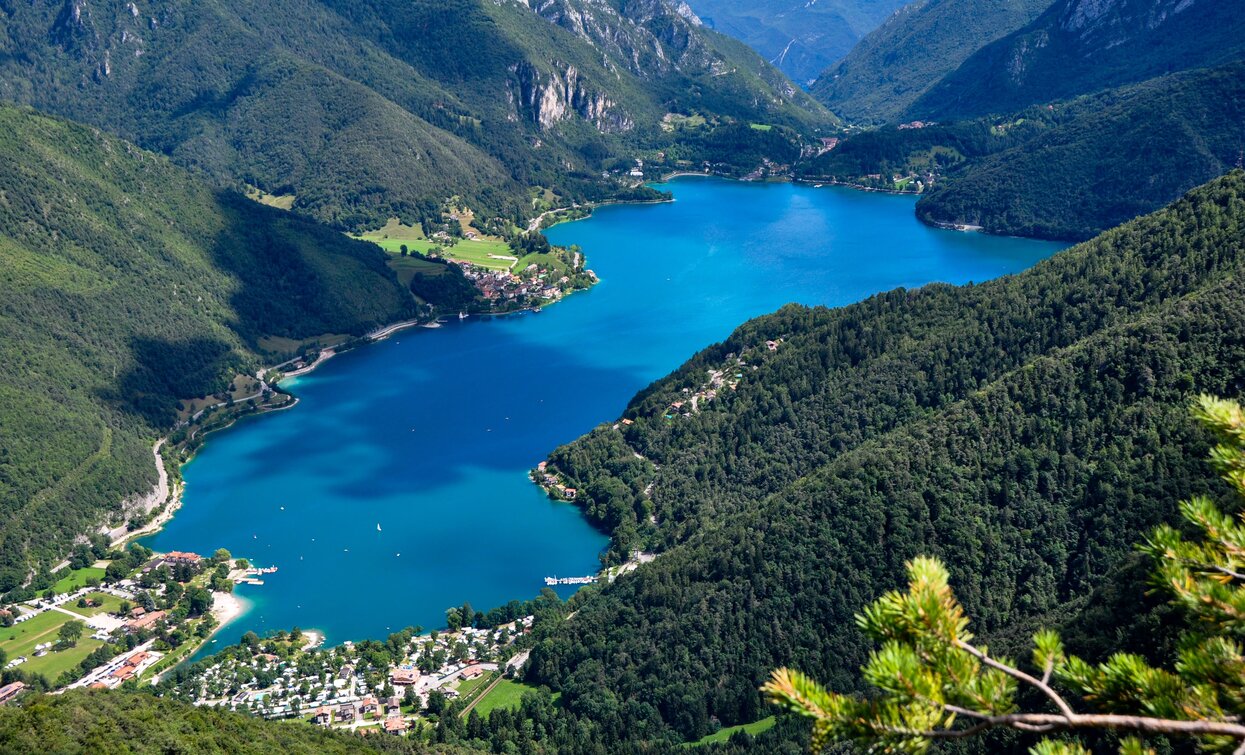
{"x": 392, "y": 687}
{"x": 533, "y": 285}
{"x": 115, "y": 621}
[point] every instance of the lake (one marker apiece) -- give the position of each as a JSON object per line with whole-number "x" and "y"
{"x": 398, "y": 486}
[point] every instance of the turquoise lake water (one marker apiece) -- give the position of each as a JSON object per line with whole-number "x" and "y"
{"x": 430, "y": 434}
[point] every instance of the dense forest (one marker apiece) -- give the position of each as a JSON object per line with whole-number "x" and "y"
{"x": 131, "y": 722}
{"x": 1026, "y": 431}
{"x": 362, "y": 111}
{"x": 126, "y": 285}
{"x": 1068, "y": 170}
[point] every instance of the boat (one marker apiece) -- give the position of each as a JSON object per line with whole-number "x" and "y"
{"x": 462, "y": 315}
{"x": 378, "y": 526}
{"x": 536, "y": 310}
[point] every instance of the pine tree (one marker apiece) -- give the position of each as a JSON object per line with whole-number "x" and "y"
{"x": 934, "y": 683}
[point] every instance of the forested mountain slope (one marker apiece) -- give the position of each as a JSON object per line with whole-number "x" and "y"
{"x": 801, "y": 38}
{"x": 1068, "y": 170}
{"x": 899, "y": 61}
{"x": 1082, "y": 46}
{"x": 1026, "y": 431}
{"x": 125, "y": 285}
{"x": 366, "y": 110}
{"x": 127, "y": 722}
{"x": 1105, "y": 159}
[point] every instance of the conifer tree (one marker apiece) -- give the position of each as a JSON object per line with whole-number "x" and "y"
{"x": 933, "y": 682}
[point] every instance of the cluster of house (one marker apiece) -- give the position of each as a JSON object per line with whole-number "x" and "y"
{"x": 337, "y": 687}
{"x": 553, "y": 484}
{"x": 128, "y": 668}
{"x": 500, "y": 285}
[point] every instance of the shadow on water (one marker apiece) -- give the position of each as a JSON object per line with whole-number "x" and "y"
{"x": 368, "y": 413}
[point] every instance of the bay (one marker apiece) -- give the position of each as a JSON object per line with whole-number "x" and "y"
{"x": 398, "y": 486}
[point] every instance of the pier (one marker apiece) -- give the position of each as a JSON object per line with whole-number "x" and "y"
{"x": 569, "y": 580}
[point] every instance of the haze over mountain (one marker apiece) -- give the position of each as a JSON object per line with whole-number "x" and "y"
{"x": 1083, "y": 46}
{"x": 802, "y": 38}
{"x": 902, "y": 59}
{"x": 366, "y": 110}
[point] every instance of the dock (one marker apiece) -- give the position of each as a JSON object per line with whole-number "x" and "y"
{"x": 569, "y": 580}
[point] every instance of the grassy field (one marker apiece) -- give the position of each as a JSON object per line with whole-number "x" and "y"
{"x": 394, "y": 236}
{"x": 468, "y": 686}
{"x": 282, "y": 346}
{"x": 76, "y": 579}
{"x": 20, "y": 639}
{"x": 754, "y": 728}
{"x": 507, "y": 694}
{"x": 406, "y": 267}
{"x": 280, "y": 201}
{"x": 762, "y": 127}
{"x": 475, "y": 252}
{"x": 55, "y": 663}
{"x": 107, "y": 604}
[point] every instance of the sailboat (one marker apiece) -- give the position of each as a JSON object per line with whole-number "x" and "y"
{"x": 378, "y": 526}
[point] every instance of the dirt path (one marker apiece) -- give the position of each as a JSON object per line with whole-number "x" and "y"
{"x": 481, "y": 696}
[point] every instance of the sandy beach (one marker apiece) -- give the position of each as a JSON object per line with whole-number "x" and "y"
{"x": 226, "y": 607}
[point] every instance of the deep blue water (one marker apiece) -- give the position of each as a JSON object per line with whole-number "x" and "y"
{"x": 431, "y": 433}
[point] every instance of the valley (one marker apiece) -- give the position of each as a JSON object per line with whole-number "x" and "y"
{"x": 298, "y": 454}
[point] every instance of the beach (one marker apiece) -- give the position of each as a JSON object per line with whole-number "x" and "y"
{"x": 227, "y": 607}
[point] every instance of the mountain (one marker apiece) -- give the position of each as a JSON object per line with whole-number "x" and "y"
{"x": 1027, "y": 431}
{"x": 898, "y": 62}
{"x": 1107, "y": 158}
{"x": 1067, "y": 170}
{"x": 128, "y": 284}
{"x": 1083, "y": 46}
{"x": 82, "y": 722}
{"x": 801, "y": 38}
{"x": 365, "y": 110}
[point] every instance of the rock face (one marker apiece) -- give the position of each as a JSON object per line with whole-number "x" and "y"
{"x": 549, "y": 99}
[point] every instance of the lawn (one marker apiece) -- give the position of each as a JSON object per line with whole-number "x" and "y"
{"x": 467, "y": 686}
{"x": 762, "y": 127}
{"x": 395, "y": 235}
{"x": 77, "y": 579}
{"x": 107, "y": 604}
{"x": 55, "y": 663}
{"x": 20, "y": 639}
{"x": 507, "y": 694}
{"x": 722, "y": 735}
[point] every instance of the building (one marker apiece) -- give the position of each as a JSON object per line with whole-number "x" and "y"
{"x": 10, "y": 691}
{"x": 404, "y": 675}
{"x": 395, "y": 725}
{"x": 472, "y": 672}
{"x": 369, "y": 706}
{"x": 321, "y": 716}
{"x": 147, "y": 621}
{"x": 345, "y": 713}
{"x": 178, "y": 557}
